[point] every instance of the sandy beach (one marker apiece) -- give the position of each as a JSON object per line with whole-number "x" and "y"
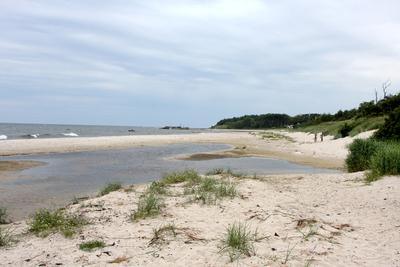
{"x": 300, "y": 220}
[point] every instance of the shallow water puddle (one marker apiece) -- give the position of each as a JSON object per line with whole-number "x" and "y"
{"x": 85, "y": 172}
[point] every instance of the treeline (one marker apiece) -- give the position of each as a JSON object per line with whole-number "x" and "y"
{"x": 366, "y": 109}
{"x": 256, "y": 121}
{"x": 389, "y": 105}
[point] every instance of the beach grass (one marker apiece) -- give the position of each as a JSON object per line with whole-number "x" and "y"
{"x": 379, "y": 157}
{"x": 4, "y": 215}
{"x": 210, "y": 190}
{"x": 110, "y": 187}
{"x": 91, "y": 245}
{"x": 175, "y": 177}
{"x": 45, "y": 220}
{"x": 385, "y": 161}
{"x": 360, "y": 154}
{"x": 161, "y": 231}
{"x": 149, "y": 205}
{"x": 236, "y": 241}
{"x": 6, "y": 236}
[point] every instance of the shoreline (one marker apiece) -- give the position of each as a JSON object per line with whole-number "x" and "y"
{"x": 295, "y": 147}
{"x": 300, "y": 219}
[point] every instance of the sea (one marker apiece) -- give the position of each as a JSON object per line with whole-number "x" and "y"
{"x": 10, "y": 131}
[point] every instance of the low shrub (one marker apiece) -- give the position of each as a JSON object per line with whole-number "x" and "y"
{"x": 391, "y": 128}
{"x": 110, "y": 187}
{"x": 45, "y": 220}
{"x": 360, "y": 154}
{"x": 345, "y": 129}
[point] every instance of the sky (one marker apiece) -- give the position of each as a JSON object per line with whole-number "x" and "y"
{"x": 192, "y": 63}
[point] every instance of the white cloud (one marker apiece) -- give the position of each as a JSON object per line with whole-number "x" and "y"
{"x": 233, "y": 57}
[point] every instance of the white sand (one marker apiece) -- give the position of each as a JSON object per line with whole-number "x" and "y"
{"x": 355, "y": 224}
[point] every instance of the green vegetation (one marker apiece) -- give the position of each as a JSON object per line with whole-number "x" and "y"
{"x": 157, "y": 188}
{"x": 360, "y": 154}
{"x": 263, "y": 121}
{"x": 50, "y": 219}
{"x": 149, "y": 205}
{"x": 215, "y": 171}
{"x": 4, "y": 216}
{"x": 386, "y": 161}
{"x": 237, "y": 241}
{"x": 209, "y": 190}
{"x": 380, "y": 157}
{"x": 110, "y": 187}
{"x": 180, "y": 177}
{"x": 91, "y": 245}
{"x": 357, "y": 125}
{"x": 6, "y": 236}
{"x": 383, "y": 114}
{"x": 160, "y": 233}
{"x": 391, "y": 129}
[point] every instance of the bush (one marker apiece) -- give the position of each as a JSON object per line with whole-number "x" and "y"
{"x": 345, "y": 129}
{"x": 360, "y": 154}
{"x": 391, "y": 129}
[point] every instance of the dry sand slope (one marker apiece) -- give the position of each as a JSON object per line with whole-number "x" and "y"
{"x": 301, "y": 220}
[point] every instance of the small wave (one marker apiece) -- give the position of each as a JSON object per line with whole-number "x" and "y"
{"x": 69, "y": 134}
{"x": 3, "y": 137}
{"x": 30, "y": 136}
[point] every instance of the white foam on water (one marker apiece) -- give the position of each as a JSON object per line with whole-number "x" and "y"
{"x": 3, "y": 137}
{"x": 69, "y": 134}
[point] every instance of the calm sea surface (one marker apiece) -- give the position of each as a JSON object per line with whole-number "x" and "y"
{"x": 29, "y": 131}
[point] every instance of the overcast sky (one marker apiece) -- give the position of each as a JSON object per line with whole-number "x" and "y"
{"x": 157, "y": 63}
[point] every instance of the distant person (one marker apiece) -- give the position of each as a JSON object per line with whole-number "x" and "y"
{"x": 322, "y": 137}
{"x": 315, "y": 137}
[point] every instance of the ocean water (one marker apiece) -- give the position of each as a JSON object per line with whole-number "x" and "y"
{"x": 9, "y": 131}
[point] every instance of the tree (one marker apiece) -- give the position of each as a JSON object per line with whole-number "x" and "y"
{"x": 391, "y": 129}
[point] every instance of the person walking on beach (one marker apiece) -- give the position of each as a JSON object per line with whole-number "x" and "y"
{"x": 322, "y": 137}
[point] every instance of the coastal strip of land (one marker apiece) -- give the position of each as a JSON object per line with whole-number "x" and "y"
{"x": 288, "y": 220}
{"x": 296, "y": 147}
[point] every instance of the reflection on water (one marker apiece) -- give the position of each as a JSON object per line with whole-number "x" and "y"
{"x": 84, "y": 173}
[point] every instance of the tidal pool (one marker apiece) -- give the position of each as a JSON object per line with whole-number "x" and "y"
{"x": 84, "y": 173}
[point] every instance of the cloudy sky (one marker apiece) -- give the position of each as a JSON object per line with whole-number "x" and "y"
{"x": 158, "y": 62}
